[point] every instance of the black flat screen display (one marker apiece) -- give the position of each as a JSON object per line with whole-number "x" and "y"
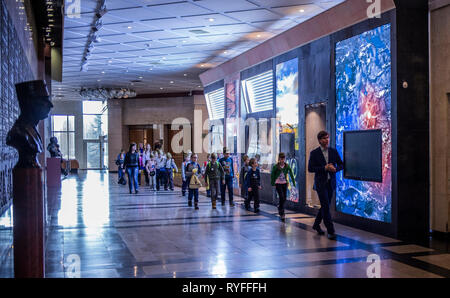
{"x": 363, "y": 155}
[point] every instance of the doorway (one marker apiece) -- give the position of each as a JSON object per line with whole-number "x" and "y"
{"x": 96, "y": 154}
{"x": 141, "y": 135}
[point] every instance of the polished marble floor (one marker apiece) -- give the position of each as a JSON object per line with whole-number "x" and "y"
{"x": 115, "y": 234}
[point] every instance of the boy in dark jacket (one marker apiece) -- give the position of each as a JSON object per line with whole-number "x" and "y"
{"x": 242, "y": 174}
{"x": 253, "y": 185}
{"x": 213, "y": 174}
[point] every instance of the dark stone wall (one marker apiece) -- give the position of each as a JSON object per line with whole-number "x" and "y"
{"x": 410, "y": 116}
{"x": 14, "y": 68}
{"x": 412, "y": 122}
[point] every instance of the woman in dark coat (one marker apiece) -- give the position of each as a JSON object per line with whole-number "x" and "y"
{"x": 131, "y": 164}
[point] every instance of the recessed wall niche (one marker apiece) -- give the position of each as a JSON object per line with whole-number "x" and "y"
{"x": 315, "y": 121}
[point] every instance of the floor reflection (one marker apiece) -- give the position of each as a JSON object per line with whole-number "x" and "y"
{"x": 85, "y": 204}
{"x": 97, "y": 229}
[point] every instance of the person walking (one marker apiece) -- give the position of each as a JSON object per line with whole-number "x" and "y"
{"x": 140, "y": 151}
{"x": 253, "y": 185}
{"x": 131, "y": 163}
{"x": 150, "y": 169}
{"x": 184, "y": 185}
{"x": 120, "y": 168}
{"x": 193, "y": 169}
{"x": 227, "y": 164}
{"x": 208, "y": 159}
{"x": 242, "y": 174}
{"x": 213, "y": 174}
{"x": 160, "y": 170}
{"x": 170, "y": 166}
{"x": 279, "y": 179}
{"x": 324, "y": 162}
{"x": 145, "y": 158}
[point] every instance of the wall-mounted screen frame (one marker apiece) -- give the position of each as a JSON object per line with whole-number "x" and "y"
{"x": 363, "y": 155}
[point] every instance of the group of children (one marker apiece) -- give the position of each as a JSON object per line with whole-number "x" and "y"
{"x": 157, "y": 167}
{"x": 218, "y": 174}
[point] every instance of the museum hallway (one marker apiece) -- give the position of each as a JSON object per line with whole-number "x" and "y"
{"x": 115, "y": 234}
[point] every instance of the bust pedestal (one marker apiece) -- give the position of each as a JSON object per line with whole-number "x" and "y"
{"x": 28, "y": 212}
{"x": 54, "y": 172}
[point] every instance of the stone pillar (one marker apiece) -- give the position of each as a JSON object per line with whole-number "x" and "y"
{"x": 28, "y": 217}
{"x": 200, "y": 131}
{"x": 440, "y": 117}
{"x": 115, "y": 132}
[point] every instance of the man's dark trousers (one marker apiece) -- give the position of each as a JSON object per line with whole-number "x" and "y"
{"x": 228, "y": 184}
{"x": 325, "y": 194}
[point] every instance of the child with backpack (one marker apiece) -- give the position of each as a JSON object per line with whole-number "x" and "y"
{"x": 213, "y": 174}
{"x": 193, "y": 171}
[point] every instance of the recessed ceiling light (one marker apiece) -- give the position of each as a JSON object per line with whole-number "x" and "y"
{"x": 202, "y": 65}
{"x": 161, "y": 88}
{"x": 103, "y": 72}
{"x": 130, "y": 27}
{"x": 185, "y": 75}
{"x": 259, "y": 35}
{"x": 184, "y": 41}
{"x": 141, "y": 77}
{"x": 164, "y": 58}
{"x": 302, "y": 10}
{"x": 225, "y": 52}
{"x": 171, "y": 82}
{"x": 109, "y": 61}
{"x": 211, "y": 19}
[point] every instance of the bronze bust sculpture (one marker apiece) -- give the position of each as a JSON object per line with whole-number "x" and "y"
{"x": 35, "y": 104}
{"x": 53, "y": 148}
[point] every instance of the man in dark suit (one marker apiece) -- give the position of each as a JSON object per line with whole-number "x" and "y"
{"x": 325, "y": 162}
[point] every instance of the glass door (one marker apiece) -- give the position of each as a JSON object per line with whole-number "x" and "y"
{"x": 93, "y": 155}
{"x": 96, "y": 154}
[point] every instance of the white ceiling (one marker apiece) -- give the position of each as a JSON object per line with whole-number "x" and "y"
{"x": 153, "y": 40}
